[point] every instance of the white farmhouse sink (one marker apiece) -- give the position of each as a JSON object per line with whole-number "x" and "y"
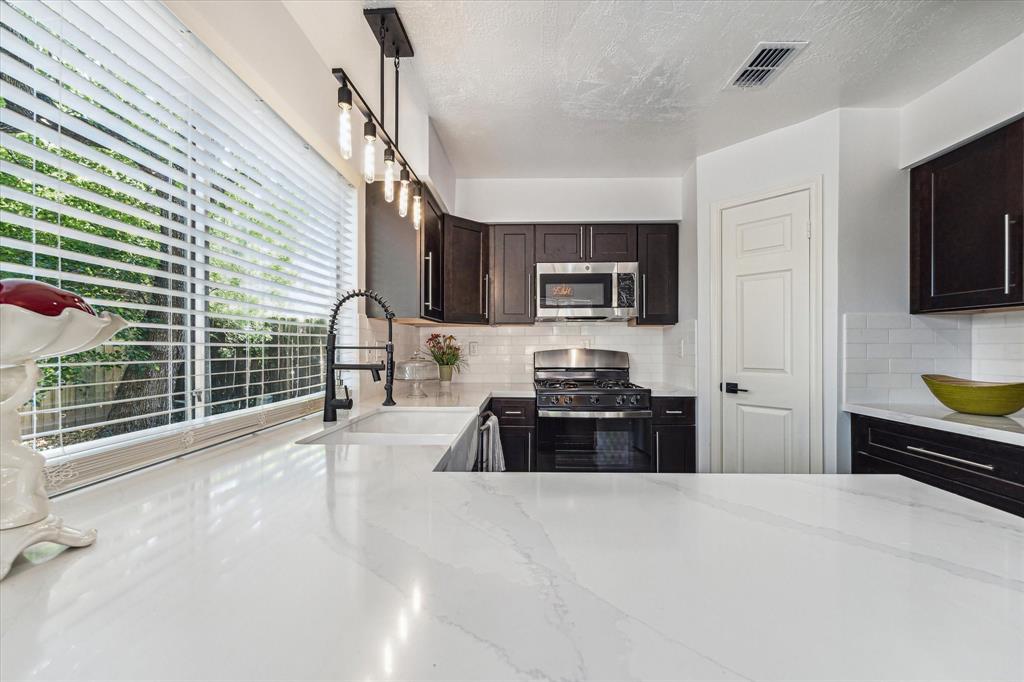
{"x": 399, "y": 426}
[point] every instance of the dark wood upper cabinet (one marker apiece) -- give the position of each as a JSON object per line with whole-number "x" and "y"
{"x": 610, "y": 243}
{"x": 658, "y": 251}
{"x": 466, "y": 270}
{"x": 512, "y": 274}
{"x": 966, "y": 226}
{"x": 559, "y": 243}
{"x": 432, "y": 265}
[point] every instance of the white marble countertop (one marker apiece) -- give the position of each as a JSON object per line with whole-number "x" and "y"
{"x": 266, "y": 560}
{"x": 1002, "y": 429}
{"x": 659, "y": 389}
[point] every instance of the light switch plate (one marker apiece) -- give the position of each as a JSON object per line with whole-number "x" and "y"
{"x": 474, "y": 348}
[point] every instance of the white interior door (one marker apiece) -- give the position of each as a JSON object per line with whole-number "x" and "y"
{"x": 766, "y": 335}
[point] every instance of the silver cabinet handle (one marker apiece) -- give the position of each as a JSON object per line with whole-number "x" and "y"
{"x": 1006, "y": 253}
{"x": 583, "y": 248}
{"x": 591, "y": 241}
{"x": 529, "y": 450}
{"x": 430, "y": 280}
{"x": 512, "y": 412}
{"x": 487, "y": 296}
{"x": 673, "y": 411}
{"x": 657, "y": 451}
{"x": 977, "y": 465}
{"x": 643, "y": 282}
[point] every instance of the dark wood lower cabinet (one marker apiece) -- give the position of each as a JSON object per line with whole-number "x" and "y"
{"x": 517, "y": 444}
{"x": 516, "y": 422}
{"x": 985, "y": 471}
{"x": 674, "y": 435}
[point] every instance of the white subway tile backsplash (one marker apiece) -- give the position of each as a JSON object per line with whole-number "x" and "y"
{"x": 888, "y": 321}
{"x": 888, "y": 350}
{"x": 911, "y": 335}
{"x": 867, "y": 336}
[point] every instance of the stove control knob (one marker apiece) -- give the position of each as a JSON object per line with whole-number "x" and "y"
{"x": 594, "y": 400}
{"x": 555, "y": 399}
{"x": 567, "y": 400}
{"x": 634, "y": 400}
{"x": 619, "y": 399}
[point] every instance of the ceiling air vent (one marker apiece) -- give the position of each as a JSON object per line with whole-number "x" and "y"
{"x": 764, "y": 62}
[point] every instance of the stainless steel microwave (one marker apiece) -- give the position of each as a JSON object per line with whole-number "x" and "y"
{"x": 586, "y": 291}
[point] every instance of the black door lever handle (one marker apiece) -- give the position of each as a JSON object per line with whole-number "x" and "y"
{"x": 733, "y": 387}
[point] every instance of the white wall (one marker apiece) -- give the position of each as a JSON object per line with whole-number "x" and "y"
{"x": 804, "y": 152}
{"x": 528, "y": 200}
{"x": 679, "y": 344}
{"x": 873, "y": 242}
{"x": 441, "y": 173}
{"x": 979, "y": 98}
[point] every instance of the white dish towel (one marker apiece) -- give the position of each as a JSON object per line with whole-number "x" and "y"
{"x": 494, "y": 458}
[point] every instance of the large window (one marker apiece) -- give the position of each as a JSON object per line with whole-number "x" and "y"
{"x": 139, "y": 172}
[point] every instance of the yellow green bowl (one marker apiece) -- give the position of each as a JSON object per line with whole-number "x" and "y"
{"x": 976, "y": 397}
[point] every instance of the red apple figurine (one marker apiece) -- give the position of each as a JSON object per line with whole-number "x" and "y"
{"x": 40, "y": 297}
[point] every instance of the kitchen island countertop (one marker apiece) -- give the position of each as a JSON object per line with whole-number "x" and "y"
{"x": 262, "y": 559}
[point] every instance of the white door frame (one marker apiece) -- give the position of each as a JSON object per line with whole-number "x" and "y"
{"x": 817, "y": 319}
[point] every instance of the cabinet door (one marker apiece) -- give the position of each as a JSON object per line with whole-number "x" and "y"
{"x": 432, "y": 266}
{"x": 559, "y": 243}
{"x": 658, "y": 250}
{"x": 512, "y": 270}
{"x": 517, "y": 446}
{"x": 466, "y": 271}
{"x": 966, "y": 245}
{"x": 610, "y": 243}
{"x": 675, "y": 448}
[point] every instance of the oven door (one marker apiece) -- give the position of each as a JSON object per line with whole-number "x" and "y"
{"x": 582, "y": 441}
{"x": 586, "y": 291}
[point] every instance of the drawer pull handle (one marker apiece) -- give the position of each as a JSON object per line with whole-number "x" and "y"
{"x": 512, "y": 412}
{"x": 978, "y": 465}
{"x": 673, "y": 411}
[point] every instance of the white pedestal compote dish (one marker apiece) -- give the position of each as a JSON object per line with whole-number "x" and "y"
{"x": 36, "y": 321}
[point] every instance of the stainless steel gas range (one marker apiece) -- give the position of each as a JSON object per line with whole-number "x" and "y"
{"x": 590, "y": 417}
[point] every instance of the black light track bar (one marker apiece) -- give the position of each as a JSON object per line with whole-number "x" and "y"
{"x": 363, "y": 106}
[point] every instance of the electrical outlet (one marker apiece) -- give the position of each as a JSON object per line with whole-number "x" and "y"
{"x": 474, "y": 348}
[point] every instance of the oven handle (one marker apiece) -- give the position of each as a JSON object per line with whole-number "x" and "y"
{"x": 593, "y": 414}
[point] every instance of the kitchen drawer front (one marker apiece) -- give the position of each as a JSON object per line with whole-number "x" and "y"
{"x": 984, "y": 465}
{"x": 674, "y": 410}
{"x": 514, "y": 411}
{"x": 865, "y": 463}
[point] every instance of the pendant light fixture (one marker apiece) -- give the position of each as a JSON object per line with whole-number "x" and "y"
{"x": 369, "y": 152}
{"x": 389, "y": 174}
{"x": 403, "y": 193}
{"x": 417, "y": 206}
{"x": 345, "y": 121}
{"x": 394, "y": 44}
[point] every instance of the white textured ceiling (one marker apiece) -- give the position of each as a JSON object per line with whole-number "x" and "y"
{"x": 626, "y": 88}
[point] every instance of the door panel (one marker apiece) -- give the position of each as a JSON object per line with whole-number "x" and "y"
{"x": 658, "y": 255}
{"x": 432, "y": 267}
{"x": 611, "y": 243}
{"x": 466, "y": 270}
{"x": 766, "y": 335}
{"x": 559, "y": 243}
{"x": 512, "y": 290}
{"x": 967, "y": 249}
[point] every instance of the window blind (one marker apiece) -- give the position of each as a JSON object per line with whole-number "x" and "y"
{"x": 139, "y": 172}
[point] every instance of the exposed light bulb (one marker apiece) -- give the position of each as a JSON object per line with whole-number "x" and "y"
{"x": 369, "y": 152}
{"x": 345, "y": 122}
{"x": 345, "y": 133}
{"x": 417, "y": 206}
{"x": 403, "y": 193}
{"x": 389, "y": 174}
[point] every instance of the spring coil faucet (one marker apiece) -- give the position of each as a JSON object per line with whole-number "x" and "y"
{"x": 331, "y": 402}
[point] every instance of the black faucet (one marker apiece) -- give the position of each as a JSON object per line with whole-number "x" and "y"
{"x": 332, "y": 403}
